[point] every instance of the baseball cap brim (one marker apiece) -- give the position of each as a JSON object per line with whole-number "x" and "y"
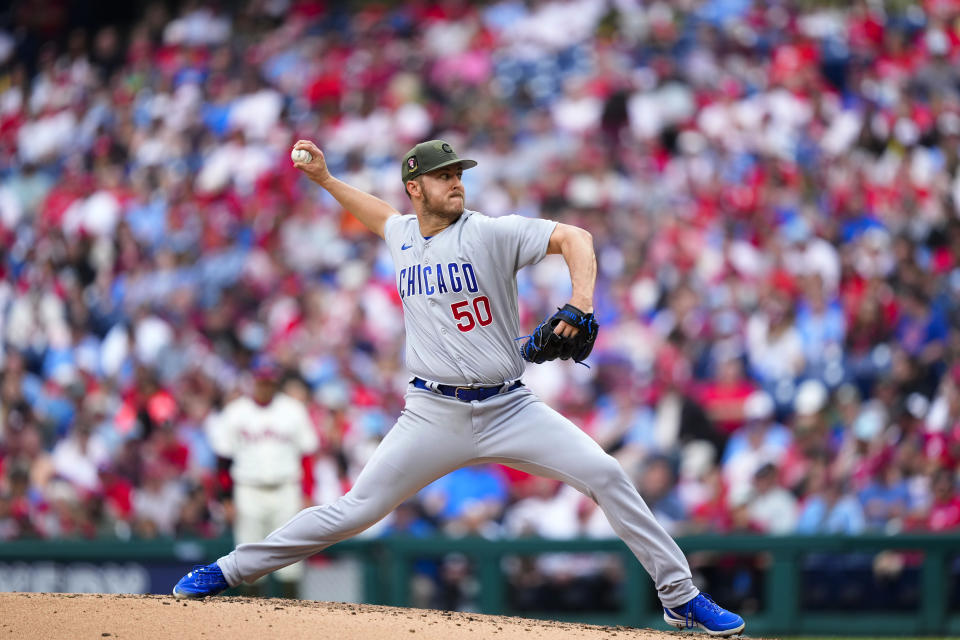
{"x": 463, "y": 162}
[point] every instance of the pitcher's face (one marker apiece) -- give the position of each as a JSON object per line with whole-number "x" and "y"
{"x": 442, "y": 192}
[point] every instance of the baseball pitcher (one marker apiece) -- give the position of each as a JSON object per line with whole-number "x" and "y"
{"x": 465, "y": 405}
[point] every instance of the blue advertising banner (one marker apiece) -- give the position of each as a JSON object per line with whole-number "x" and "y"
{"x": 88, "y": 577}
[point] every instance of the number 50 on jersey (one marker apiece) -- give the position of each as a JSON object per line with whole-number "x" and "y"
{"x": 480, "y": 313}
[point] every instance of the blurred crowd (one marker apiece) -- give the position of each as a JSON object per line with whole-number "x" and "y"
{"x": 773, "y": 189}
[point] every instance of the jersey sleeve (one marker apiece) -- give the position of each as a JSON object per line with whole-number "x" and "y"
{"x": 390, "y": 228}
{"x": 306, "y": 434}
{"x": 521, "y": 241}
{"x": 219, "y": 431}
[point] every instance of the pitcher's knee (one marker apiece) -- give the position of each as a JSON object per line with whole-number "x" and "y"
{"x": 606, "y": 473}
{"x": 359, "y": 514}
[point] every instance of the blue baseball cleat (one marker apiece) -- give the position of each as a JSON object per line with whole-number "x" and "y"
{"x": 706, "y": 614}
{"x": 202, "y": 581}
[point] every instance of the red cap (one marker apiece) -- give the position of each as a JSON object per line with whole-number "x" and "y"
{"x": 265, "y": 369}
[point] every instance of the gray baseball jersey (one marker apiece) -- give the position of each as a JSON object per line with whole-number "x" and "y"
{"x": 459, "y": 292}
{"x": 459, "y": 295}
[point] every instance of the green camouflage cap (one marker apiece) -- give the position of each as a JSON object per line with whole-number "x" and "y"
{"x": 430, "y": 155}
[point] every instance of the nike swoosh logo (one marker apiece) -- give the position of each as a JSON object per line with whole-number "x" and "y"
{"x": 404, "y": 247}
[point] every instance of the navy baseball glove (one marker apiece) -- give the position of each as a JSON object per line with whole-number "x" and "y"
{"x": 543, "y": 344}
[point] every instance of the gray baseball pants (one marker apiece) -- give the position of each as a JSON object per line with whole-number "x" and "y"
{"x": 435, "y": 435}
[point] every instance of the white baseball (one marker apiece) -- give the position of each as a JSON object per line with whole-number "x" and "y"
{"x": 301, "y": 155}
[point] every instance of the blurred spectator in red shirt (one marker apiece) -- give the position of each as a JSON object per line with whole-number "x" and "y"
{"x": 944, "y": 514}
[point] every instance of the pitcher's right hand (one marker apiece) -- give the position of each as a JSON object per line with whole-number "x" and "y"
{"x": 316, "y": 169}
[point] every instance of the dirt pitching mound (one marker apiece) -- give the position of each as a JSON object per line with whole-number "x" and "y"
{"x": 129, "y": 617}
